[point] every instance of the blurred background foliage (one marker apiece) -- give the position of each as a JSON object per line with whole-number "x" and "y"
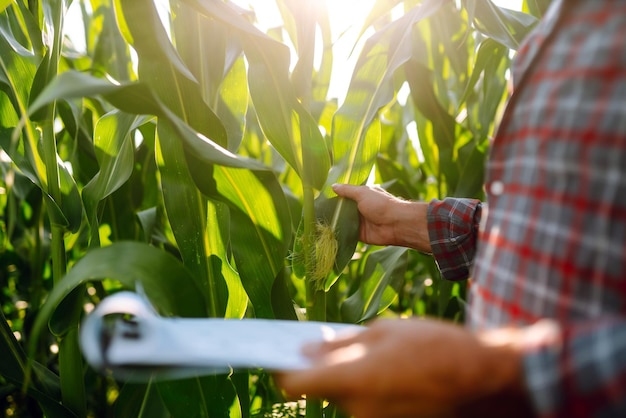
{"x": 190, "y": 149}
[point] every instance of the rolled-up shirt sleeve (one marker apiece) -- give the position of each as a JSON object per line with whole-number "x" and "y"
{"x": 453, "y": 225}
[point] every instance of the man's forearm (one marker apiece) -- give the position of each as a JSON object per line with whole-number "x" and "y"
{"x": 411, "y": 226}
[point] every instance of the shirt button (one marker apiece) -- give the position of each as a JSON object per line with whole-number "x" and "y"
{"x": 496, "y": 188}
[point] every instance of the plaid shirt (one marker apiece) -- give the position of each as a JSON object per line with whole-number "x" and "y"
{"x": 552, "y": 250}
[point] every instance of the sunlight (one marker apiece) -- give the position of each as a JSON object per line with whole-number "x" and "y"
{"x": 509, "y": 4}
{"x": 344, "y": 15}
{"x": 346, "y": 20}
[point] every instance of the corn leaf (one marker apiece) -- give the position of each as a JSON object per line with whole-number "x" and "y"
{"x": 260, "y": 227}
{"x": 197, "y": 225}
{"x": 4, "y": 4}
{"x": 162, "y": 69}
{"x": 203, "y": 397}
{"x": 285, "y": 122}
{"x": 114, "y": 153}
{"x": 213, "y": 55}
{"x": 381, "y": 280}
{"x": 241, "y": 189}
{"x": 169, "y": 286}
{"x": 356, "y": 131}
{"x": 137, "y": 98}
{"x": 111, "y": 53}
{"x": 141, "y": 401}
{"x": 509, "y": 27}
{"x": 45, "y": 385}
{"x": 535, "y": 7}
{"x": 17, "y": 71}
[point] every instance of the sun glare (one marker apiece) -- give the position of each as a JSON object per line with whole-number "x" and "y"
{"x": 343, "y": 14}
{"x": 346, "y": 21}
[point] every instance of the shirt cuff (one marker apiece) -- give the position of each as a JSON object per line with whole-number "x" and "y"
{"x": 453, "y": 225}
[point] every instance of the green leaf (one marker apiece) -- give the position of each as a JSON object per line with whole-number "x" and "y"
{"x": 346, "y": 229}
{"x": 196, "y": 226}
{"x": 4, "y": 4}
{"x": 472, "y": 176}
{"x": 509, "y": 27}
{"x": 115, "y": 155}
{"x": 17, "y": 71}
{"x": 162, "y": 69}
{"x": 137, "y": 98}
{"x": 381, "y": 280}
{"x": 260, "y": 227}
{"x": 111, "y": 53}
{"x": 300, "y": 21}
{"x": 282, "y": 304}
{"x": 149, "y": 38}
{"x": 240, "y": 380}
{"x": 356, "y": 130}
{"x": 57, "y": 217}
{"x": 232, "y": 103}
{"x": 444, "y": 291}
{"x": 71, "y": 203}
{"x": 141, "y": 401}
{"x": 285, "y": 122}
{"x": 45, "y": 385}
{"x": 381, "y": 9}
{"x": 436, "y": 126}
{"x": 287, "y": 125}
{"x": 213, "y": 55}
{"x": 491, "y": 62}
{"x": 208, "y": 396}
{"x": 168, "y": 285}
{"x": 260, "y": 222}
{"x": 321, "y": 78}
{"x": 371, "y": 88}
{"x": 535, "y": 7}
{"x": 18, "y": 67}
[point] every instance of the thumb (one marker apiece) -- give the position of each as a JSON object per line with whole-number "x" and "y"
{"x": 347, "y": 190}
{"x": 318, "y": 350}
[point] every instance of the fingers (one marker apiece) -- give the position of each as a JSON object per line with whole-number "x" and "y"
{"x": 326, "y": 379}
{"x": 333, "y": 371}
{"x": 357, "y": 193}
{"x": 316, "y": 351}
{"x": 347, "y": 190}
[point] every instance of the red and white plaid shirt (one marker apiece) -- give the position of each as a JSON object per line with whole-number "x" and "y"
{"x": 553, "y": 245}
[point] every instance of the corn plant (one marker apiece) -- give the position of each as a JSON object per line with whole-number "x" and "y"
{"x": 194, "y": 156}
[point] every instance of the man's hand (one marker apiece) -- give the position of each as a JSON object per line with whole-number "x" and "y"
{"x": 386, "y": 219}
{"x": 415, "y": 368}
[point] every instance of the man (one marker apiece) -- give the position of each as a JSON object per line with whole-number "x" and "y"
{"x": 546, "y": 327}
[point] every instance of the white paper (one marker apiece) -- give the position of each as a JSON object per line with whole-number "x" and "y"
{"x": 145, "y": 345}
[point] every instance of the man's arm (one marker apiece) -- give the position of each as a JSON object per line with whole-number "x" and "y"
{"x": 453, "y": 225}
{"x": 386, "y": 219}
{"x": 418, "y": 368}
{"x": 448, "y": 228}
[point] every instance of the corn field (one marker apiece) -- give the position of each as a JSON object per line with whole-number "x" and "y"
{"x": 190, "y": 151}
